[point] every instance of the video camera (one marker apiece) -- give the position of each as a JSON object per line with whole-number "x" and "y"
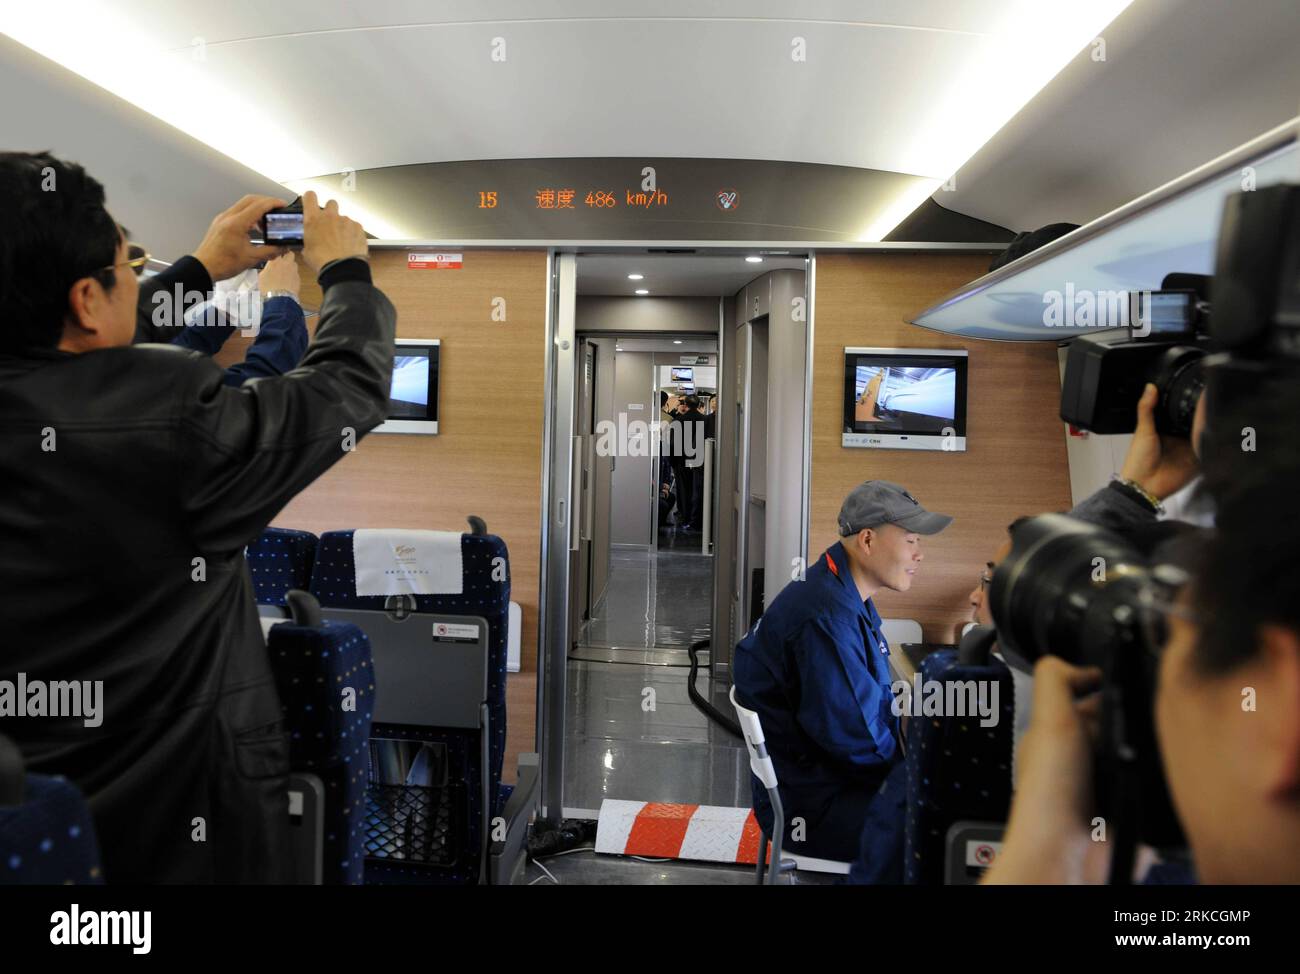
{"x": 1182, "y": 343}
{"x": 1166, "y": 343}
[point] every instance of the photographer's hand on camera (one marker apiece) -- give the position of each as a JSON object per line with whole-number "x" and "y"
{"x": 1155, "y": 468}
{"x": 280, "y": 275}
{"x": 1049, "y": 837}
{"x": 1160, "y": 465}
{"x": 329, "y": 237}
{"x": 225, "y": 249}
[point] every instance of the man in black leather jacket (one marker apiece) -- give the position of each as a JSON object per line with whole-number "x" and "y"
{"x": 131, "y": 478}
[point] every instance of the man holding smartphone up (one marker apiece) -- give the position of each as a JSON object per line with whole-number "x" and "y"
{"x": 134, "y": 478}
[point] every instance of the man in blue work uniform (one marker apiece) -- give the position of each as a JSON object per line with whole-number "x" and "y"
{"x": 815, "y": 667}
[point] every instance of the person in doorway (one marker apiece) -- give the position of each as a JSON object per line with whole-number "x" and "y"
{"x": 701, "y": 429}
{"x": 815, "y": 668}
{"x": 680, "y": 446}
{"x": 667, "y": 496}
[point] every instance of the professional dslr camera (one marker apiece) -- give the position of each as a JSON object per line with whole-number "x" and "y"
{"x": 1079, "y": 592}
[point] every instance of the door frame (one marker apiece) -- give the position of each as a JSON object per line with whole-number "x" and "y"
{"x": 557, "y": 493}
{"x": 558, "y": 522}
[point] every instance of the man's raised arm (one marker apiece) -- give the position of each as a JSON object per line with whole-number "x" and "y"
{"x": 247, "y": 451}
{"x": 224, "y": 252}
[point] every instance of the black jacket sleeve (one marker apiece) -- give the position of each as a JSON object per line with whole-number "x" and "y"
{"x": 157, "y": 315}
{"x": 246, "y": 451}
{"x": 1114, "y": 509}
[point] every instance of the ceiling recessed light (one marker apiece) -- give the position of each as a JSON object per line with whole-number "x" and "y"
{"x": 753, "y": 260}
{"x": 642, "y": 290}
{"x": 635, "y": 277}
{"x": 677, "y": 341}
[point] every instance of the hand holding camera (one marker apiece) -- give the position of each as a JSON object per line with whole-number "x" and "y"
{"x": 1052, "y": 816}
{"x": 328, "y": 236}
{"x": 1162, "y": 465}
{"x": 226, "y": 250}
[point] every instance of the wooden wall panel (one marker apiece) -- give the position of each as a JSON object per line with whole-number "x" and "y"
{"x": 1015, "y": 459}
{"x": 487, "y": 458}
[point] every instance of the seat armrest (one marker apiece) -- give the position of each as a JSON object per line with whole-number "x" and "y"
{"x": 508, "y": 856}
{"x": 13, "y": 777}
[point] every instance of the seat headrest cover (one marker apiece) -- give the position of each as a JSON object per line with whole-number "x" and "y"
{"x": 404, "y": 562}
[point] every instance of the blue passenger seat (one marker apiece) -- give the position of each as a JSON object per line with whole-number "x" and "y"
{"x": 958, "y": 774}
{"x": 46, "y": 833}
{"x": 326, "y": 682}
{"x": 280, "y": 560}
{"x": 437, "y": 810}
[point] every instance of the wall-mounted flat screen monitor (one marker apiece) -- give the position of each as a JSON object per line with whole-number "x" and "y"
{"x": 686, "y": 388}
{"x": 683, "y": 374}
{"x": 905, "y": 398}
{"x": 413, "y": 399}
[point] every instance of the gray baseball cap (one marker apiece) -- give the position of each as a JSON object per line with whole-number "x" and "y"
{"x": 879, "y": 502}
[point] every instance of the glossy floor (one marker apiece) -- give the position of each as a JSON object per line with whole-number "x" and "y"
{"x": 588, "y": 868}
{"x": 633, "y": 733}
{"x": 653, "y": 599}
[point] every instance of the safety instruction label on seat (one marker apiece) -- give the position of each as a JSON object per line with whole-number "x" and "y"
{"x": 434, "y": 262}
{"x": 451, "y": 632}
{"x": 981, "y": 852}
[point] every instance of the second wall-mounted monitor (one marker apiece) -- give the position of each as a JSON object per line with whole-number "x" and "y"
{"x": 905, "y": 398}
{"x": 413, "y": 399}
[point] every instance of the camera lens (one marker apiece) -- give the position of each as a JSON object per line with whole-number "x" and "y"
{"x": 1180, "y": 376}
{"x": 1078, "y": 592}
{"x": 1067, "y": 588}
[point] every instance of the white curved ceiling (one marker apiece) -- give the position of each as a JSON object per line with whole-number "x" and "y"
{"x": 299, "y": 88}
{"x": 162, "y": 184}
{"x": 1184, "y": 81}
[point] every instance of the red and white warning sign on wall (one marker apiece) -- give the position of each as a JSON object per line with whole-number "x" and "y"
{"x": 434, "y": 262}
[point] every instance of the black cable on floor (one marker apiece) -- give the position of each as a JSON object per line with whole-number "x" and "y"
{"x": 571, "y": 833}
{"x": 697, "y": 698}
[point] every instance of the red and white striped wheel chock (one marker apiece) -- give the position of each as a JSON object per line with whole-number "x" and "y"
{"x": 659, "y": 830}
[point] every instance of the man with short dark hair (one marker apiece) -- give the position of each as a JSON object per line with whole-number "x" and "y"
{"x": 133, "y": 477}
{"x": 815, "y": 667}
{"x": 681, "y": 446}
{"x": 701, "y": 429}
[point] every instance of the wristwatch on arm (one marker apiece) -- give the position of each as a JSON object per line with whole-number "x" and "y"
{"x": 1135, "y": 491}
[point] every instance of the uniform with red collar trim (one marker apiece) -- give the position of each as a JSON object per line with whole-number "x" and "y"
{"x": 815, "y": 668}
